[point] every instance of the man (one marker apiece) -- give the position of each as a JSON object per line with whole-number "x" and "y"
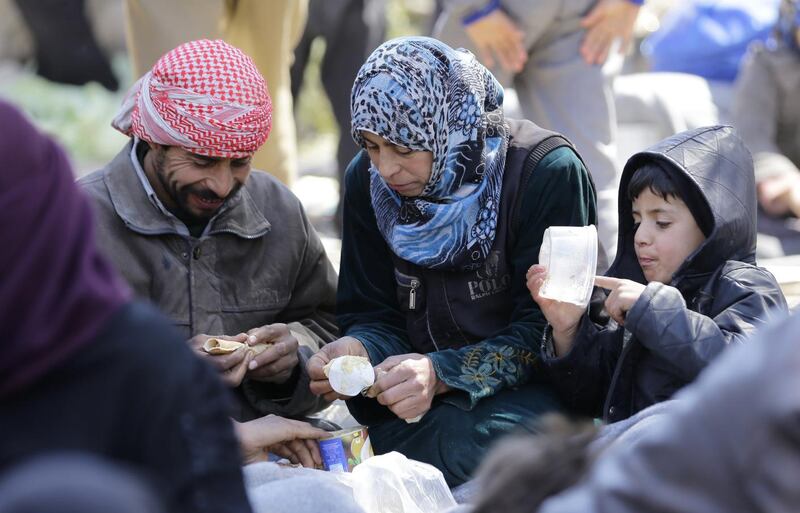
{"x": 219, "y": 249}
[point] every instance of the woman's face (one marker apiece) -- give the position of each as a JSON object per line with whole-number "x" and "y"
{"x": 404, "y": 170}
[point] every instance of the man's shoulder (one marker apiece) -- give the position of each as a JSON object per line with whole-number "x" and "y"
{"x": 260, "y": 183}
{"x": 94, "y": 182}
{"x": 269, "y": 193}
{"x": 95, "y": 187}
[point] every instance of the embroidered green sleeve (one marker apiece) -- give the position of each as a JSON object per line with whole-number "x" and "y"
{"x": 481, "y": 370}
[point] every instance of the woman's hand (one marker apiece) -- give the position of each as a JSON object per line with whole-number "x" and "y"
{"x": 407, "y": 384}
{"x": 291, "y": 439}
{"x": 563, "y": 317}
{"x": 342, "y": 347}
{"x": 624, "y": 294}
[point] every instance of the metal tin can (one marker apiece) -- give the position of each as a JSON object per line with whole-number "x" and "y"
{"x": 345, "y": 449}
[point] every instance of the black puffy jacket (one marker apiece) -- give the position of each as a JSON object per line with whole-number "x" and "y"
{"x": 714, "y": 299}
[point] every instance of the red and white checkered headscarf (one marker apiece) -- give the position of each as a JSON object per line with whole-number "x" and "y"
{"x": 204, "y": 96}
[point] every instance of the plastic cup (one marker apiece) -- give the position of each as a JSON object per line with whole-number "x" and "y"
{"x": 570, "y": 255}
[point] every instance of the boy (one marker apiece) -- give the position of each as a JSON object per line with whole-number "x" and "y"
{"x": 683, "y": 285}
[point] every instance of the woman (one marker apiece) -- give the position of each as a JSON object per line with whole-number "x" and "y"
{"x": 445, "y": 209}
{"x": 86, "y": 369}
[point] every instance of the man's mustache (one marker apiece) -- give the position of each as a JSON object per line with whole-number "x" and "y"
{"x": 209, "y": 195}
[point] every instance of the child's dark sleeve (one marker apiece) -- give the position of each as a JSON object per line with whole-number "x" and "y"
{"x": 582, "y": 376}
{"x": 743, "y": 297}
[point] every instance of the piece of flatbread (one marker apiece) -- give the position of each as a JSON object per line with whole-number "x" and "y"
{"x": 217, "y": 346}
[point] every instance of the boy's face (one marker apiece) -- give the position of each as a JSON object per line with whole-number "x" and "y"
{"x": 666, "y": 235}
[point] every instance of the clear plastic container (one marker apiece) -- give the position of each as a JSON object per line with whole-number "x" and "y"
{"x": 570, "y": 255}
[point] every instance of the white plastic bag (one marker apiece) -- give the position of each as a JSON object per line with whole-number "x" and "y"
{"x": 391, "y": 483}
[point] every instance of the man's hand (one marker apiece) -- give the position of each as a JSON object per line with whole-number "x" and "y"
{"x": 276, "y": 363}
{"x": 341, "y": 347}
{"x": 498, "y": 38}
{"x": 607, "y": 21}
{"x": 407, "y": 384}
{"x": 624, "y": 293}
{"x": 291, "y": 439}
{"x": 780, "y": 195}
{"x": 232, "y": 367}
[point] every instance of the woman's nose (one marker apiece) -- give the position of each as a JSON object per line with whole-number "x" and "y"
{"x": 388, "y": 166}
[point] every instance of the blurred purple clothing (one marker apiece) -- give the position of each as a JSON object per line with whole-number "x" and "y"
{"x": 56, "y": 291}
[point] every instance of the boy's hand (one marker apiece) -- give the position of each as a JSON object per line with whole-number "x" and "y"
{"x": 563, "y": 317}
{"x": 624, "y": 293}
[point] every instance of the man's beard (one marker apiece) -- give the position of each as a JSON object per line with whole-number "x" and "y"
{"x": 180, "y": 195}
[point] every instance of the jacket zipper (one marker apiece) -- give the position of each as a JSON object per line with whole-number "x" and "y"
{"x": 412, "y": 295}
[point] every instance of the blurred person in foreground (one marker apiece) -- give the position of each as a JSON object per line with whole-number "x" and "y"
{"x": 221, "y": 250}
{"x": 85, "y": 367}
{"x": 728, "y": 443}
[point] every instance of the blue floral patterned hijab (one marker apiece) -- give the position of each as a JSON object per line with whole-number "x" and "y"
{"x": 419, "y": 93}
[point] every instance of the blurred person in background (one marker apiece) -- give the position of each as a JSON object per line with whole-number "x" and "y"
{"x": 692, "y": 61}
{"x": 351, "y": 29}
{"x": 767, "y": 115}
{"x": 66, "y": 49}
{"x": 552, "y": 52}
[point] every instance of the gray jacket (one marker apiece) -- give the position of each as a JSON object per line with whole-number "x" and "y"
{"x": 258, "y": 262}
{"x": 767, "y": 111}
{"x": 731, "y": 442}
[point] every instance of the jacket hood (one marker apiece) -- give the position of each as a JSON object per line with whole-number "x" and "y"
{"x": 715, "y": 161}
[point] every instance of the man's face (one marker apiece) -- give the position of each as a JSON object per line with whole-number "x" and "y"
{"x": 196, "y": 185}
{"x": 666, "y": 234}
